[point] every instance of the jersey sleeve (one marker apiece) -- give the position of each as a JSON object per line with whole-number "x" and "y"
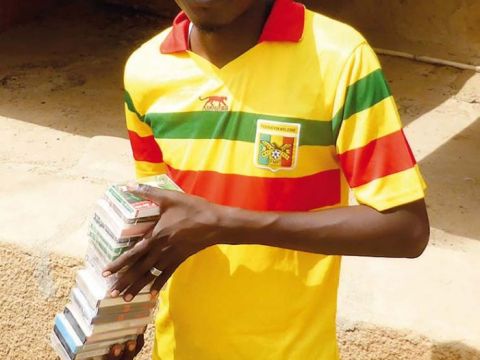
{"x": 372, "y": 149}
{"x": 146, "y": 151}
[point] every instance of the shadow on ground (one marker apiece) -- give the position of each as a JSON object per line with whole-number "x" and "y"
{"x": 68, "y": 66}
{"x": 453, "y": 174}
{"x": 454, "y": 351}
{"x": 64, "y": 71}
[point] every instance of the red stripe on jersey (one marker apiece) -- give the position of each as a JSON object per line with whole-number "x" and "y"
{"x": 145, "y": 148}
{"x": 285, "y": 23}
{"x": 382, "y": 157}
{"x": 288, "y": 162}
{"x": 177, "y": 39}
{"x": 255, "y": 193}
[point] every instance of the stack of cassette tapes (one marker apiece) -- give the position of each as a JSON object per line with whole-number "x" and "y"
{"x": 92, "y": 322}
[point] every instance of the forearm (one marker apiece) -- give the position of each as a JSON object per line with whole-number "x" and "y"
{"x": 356, "y": 230}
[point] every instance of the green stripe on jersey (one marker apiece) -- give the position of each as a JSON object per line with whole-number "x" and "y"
{"x": 226, "y": 125}
{"x": 362, "y": 95}
{"x": 131, "y": 105}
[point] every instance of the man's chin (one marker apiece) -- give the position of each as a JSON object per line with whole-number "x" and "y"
{"x": 208, "y": 27}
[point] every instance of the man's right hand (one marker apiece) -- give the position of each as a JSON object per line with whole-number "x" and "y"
{"x": 126, "y": 351}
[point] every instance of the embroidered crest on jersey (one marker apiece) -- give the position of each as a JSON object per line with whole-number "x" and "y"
{"x": 215, "y": 103}
{"x": 276, "y": 145}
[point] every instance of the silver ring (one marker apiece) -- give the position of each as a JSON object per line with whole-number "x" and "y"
{"x": 155, "y": 272}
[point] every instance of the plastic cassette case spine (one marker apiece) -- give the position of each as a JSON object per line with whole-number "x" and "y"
{"x": 125, "y": 217}
{"x": 64, "y": 344}
{"x": 92, "y": 338}
{"x": 96, "y": 296}
{"x": 94, "y": 261}
{"x": 115, "y": 225}
{"x": 78, "y": 323}
{"x": 108, "y": 343}
{"x": 58, "y": 347}
{"x": 68, "y": 334}
{"x": 92, "y": 316}
{"x": 105, "y": 283}
{"x": 78, "y": 298}
{"x": 64, "y": 352}
{"x": 162, "y": 181}
{"x": 131, "y": 315}
{"x": 91, "y": 328}
{"x": 114, "y": 247}
{"x": 131, "y": 205}
{"x": 127, "y": 240}
{"x": 103, "y": 248}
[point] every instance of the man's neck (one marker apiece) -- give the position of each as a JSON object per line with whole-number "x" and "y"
{"x": 222, "y": 45}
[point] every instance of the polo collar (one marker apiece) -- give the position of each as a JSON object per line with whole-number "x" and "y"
{"x": 284, "y": 24}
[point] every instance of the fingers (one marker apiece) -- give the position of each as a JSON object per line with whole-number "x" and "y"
{"x": 137, "y": 286}
{"x": 139, "y": 275}
{"x": 153, "y": 237}
{"x": 148, "y": 192}
{"x": 162, "y": 279}
{"x": 127, "y": 258}
{"x": 126, "y": 351}
{"x": 130, "y": 350}
{"x": 116, "y": 352}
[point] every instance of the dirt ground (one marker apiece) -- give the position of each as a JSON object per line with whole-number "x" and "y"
{"x": 47, "y": 281}
{"x": 61, "y": 118}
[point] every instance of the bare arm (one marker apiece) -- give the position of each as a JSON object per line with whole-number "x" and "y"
{"x": 356, "y": 230}
{"x": 190, "y": 224}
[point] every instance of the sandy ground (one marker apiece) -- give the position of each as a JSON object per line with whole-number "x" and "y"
{"x": 61, "y": 119}
{"x": 39, "y": 286}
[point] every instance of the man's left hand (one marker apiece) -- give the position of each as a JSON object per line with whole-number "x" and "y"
{"x": 127, "y": 351}
{"x": 187, "y": 225}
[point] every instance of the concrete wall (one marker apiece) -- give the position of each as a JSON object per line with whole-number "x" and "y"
{"x": 13, "y": 11}
{"x": 444, "y": 28}
{"x": 161, "y": 7}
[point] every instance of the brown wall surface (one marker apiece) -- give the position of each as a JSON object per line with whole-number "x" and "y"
{"x": 444, "y": 28}
{"x": 161, "y": 7}
{"x": 14, "y": 11}
{"x": 447, "y": 29}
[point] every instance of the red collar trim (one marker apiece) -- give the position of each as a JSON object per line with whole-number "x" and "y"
{"x": 177, "y": 39}
{"x": 285, "y": 23}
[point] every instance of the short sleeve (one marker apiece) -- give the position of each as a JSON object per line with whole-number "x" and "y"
{"x": 372, "y": 149}
{"x": 146, "y": 151}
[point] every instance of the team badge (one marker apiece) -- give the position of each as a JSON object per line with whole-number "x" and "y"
{"x": 276, "y": 145}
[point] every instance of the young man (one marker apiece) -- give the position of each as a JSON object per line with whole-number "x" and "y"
{"x": 265, "y": 114}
